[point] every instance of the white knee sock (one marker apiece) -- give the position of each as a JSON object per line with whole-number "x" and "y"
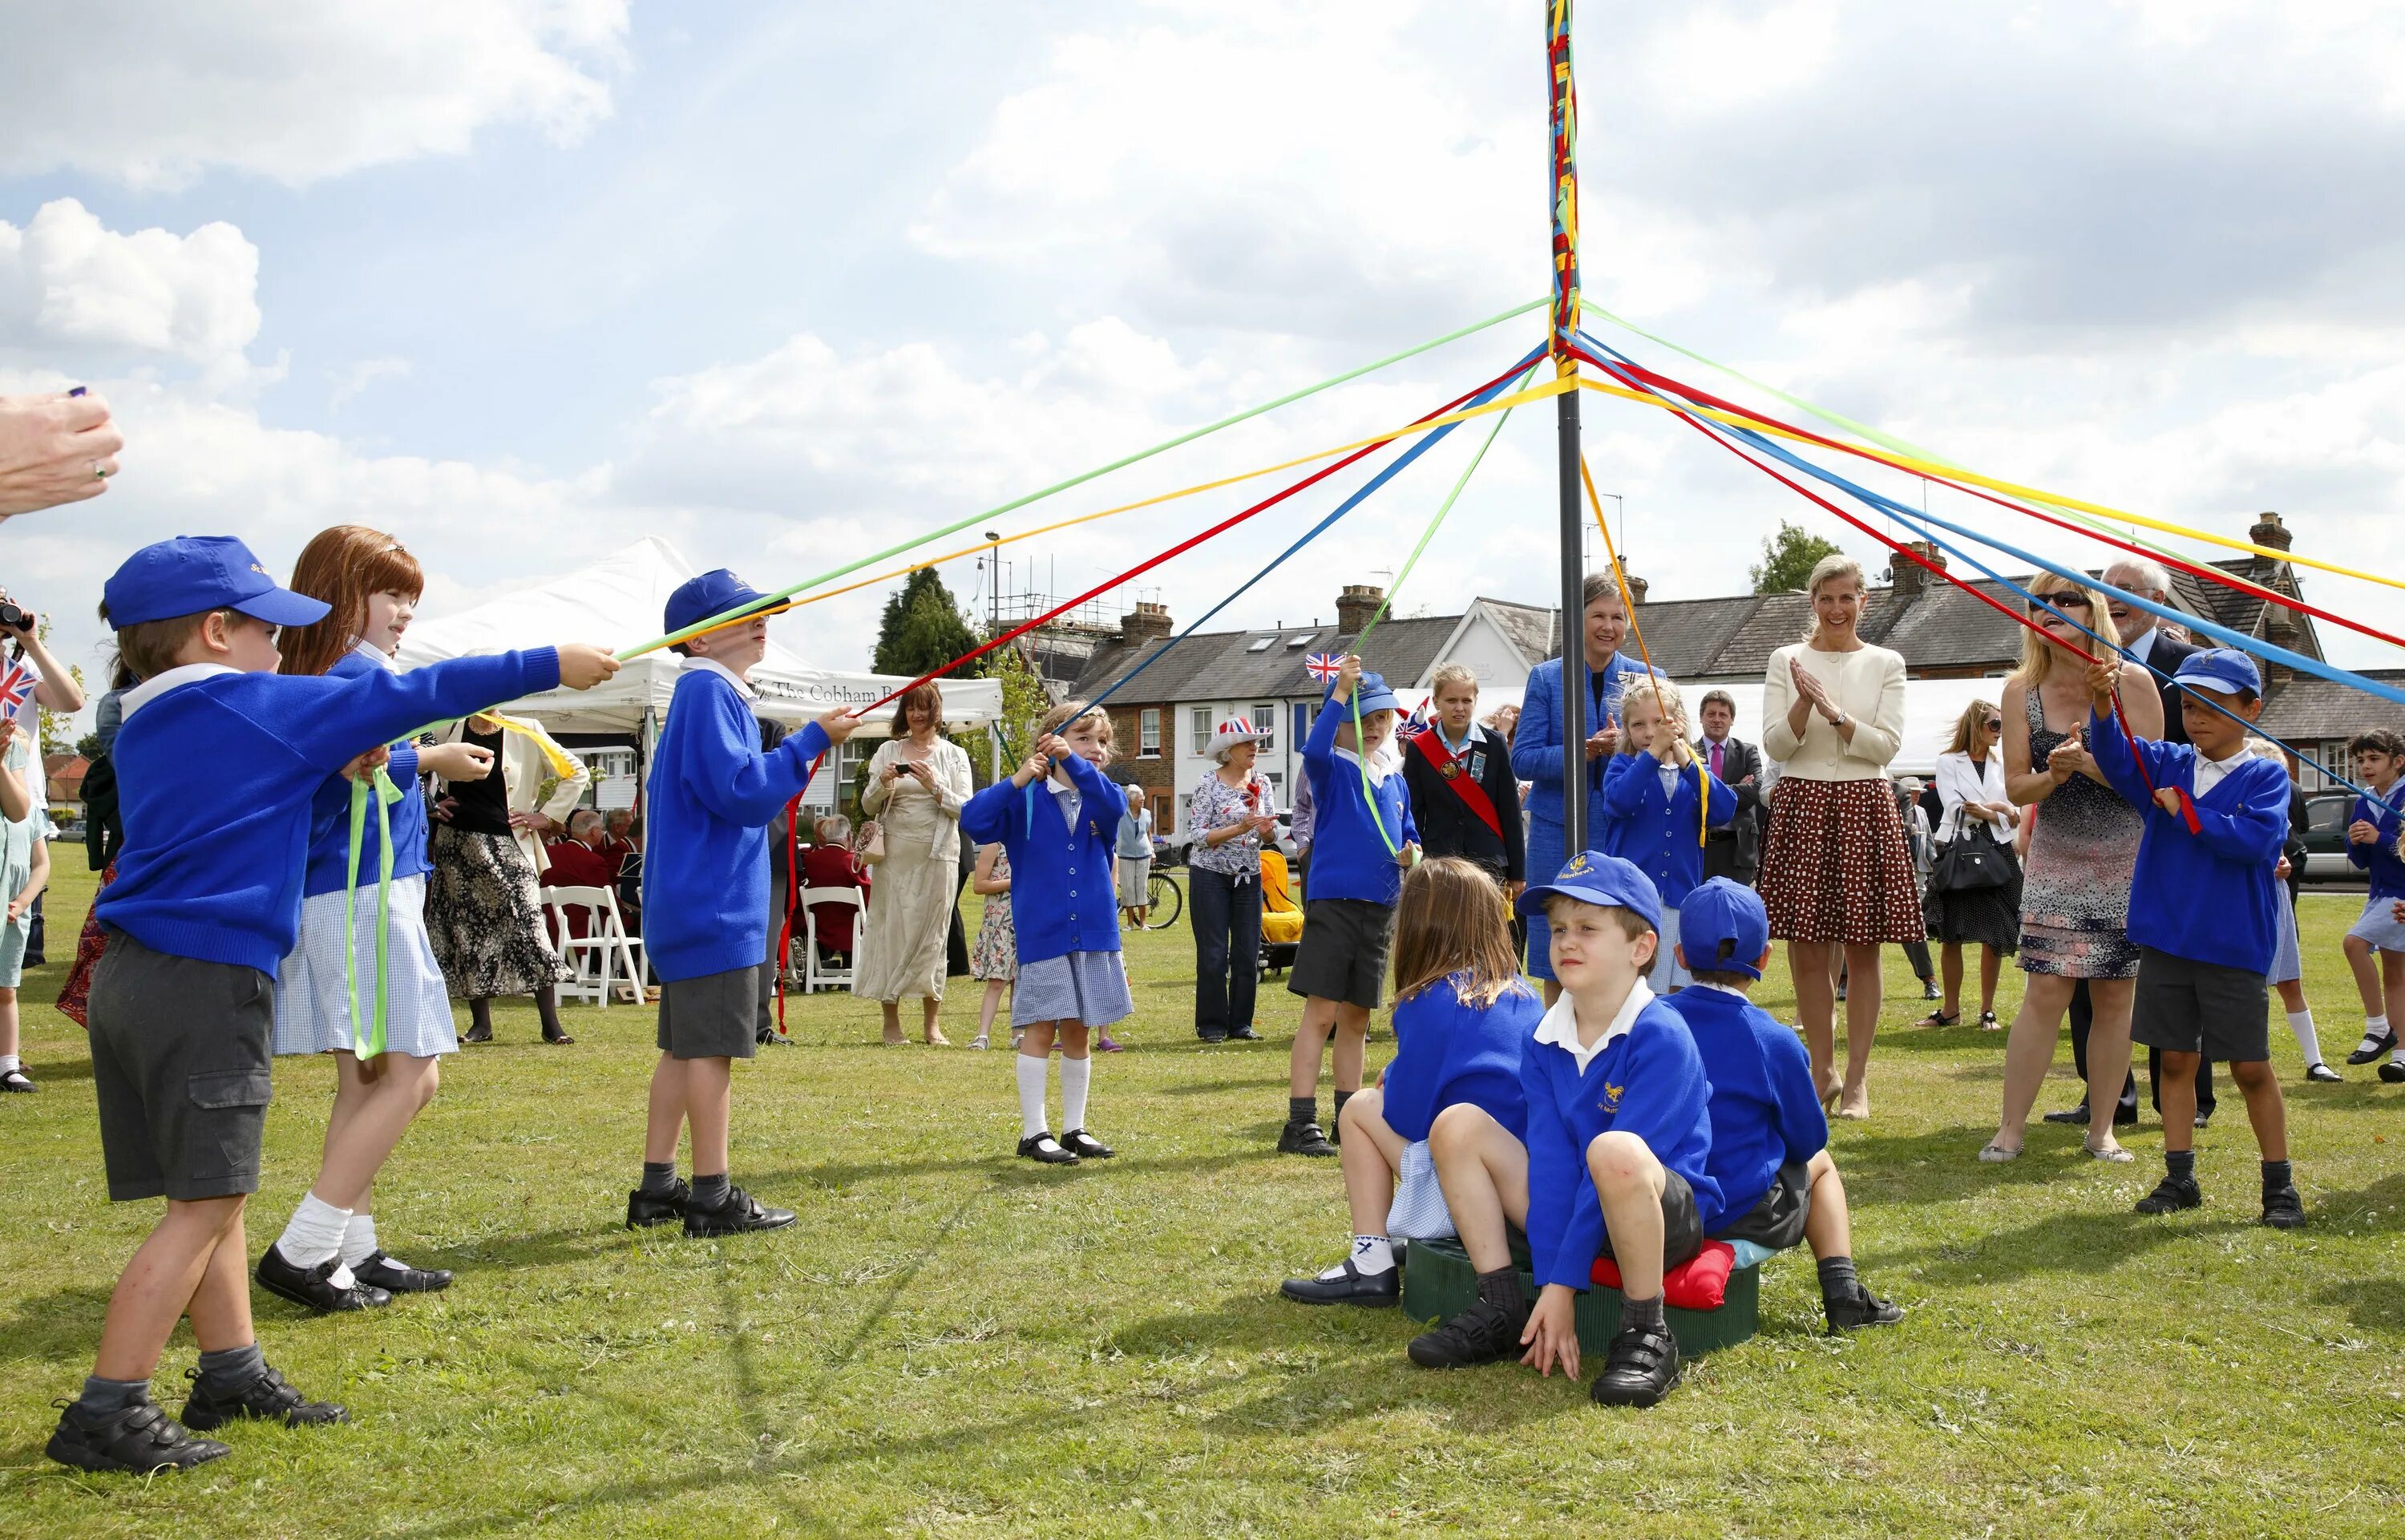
{"x": 359, "y": 1239}
{"x": 315, "y": 1232}
{"x": 1077, "y": 1075}
{"x": 2302, "y": 1023}
{"x": 7, "y": 1061}
{"x": 1030, "y": 1096}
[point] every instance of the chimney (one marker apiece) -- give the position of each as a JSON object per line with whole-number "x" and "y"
{"x": 1354, "y": 605}
{"x": 2268, "y": 530}
{"x": 1909, "y": 577}
{"x": 1637, "y": 586}
{"x": 1146, "y": 624}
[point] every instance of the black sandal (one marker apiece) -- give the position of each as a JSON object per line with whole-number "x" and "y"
{"x": 1987, "y": 1021}
{"x": 1939, "y": 1018}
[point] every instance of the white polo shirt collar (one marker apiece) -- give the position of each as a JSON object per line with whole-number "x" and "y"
{"x": 714, "y": 666}
{"x": 158, "y": 684}
{"x": 1560, "y": 1026}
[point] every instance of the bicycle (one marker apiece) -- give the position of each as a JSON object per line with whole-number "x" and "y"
{"x": 1165, "y": 900}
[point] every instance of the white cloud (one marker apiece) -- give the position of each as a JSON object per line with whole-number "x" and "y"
{"x": 349, "y": 382}
{"x": 152, "y": 96}
{"x": 70, "y": 286}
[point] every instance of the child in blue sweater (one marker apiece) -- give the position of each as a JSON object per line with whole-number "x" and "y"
{"x": 1462, "y": 1014}
{"x": 1658, "y": 800}
{"x": 1066, "y": 910}
{"x": 205, "y": 907}
{"x": 2375, "y": 943}
{"x": 1362, "y": 839}
{"x": 2203, "y": 910}
{"x": 711, "y": 797}
{"x": 1770, "y": 1138}
{"x": 1615, "y": 1162}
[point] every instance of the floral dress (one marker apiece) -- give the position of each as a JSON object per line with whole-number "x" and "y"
{"x": 2083, "y": 856}
{"x": 995, "y": 955}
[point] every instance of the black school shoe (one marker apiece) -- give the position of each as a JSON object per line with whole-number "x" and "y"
{"x": 2370, "y": 1051}
{"x": 1354, "y": 1287}
{"x": 394, "y": 1277}
{"x": 1860, "y": 1309}
{"x": 1483, "y": 1334}
{"x": 2169, "y": 1194}
{"x": 314, "y": 1288}
{"x": 1303, "y": 1138}
{"x": 2322, "y": 1074}
{"x": 1044, "y": 1147}
{"x": 2283, "y": 1210}
{"x": 265, "y": 1398}
{"x": 645, "y": 1210}
{"x": 1084, "y": 1146}
{"x": 2391, "y": 1072}
{"x": 134, "y": 1440}
{"x": 17, "y": 1081}
{"x": 741, "y": 1212}
{"x": 1639, "y": 1368}
{"x": 1212, "y": 1037}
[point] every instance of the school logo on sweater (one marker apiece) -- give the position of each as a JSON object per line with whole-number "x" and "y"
{"x": 1611, "y": 1102}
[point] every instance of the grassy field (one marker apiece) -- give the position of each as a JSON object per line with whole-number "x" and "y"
{"x": 954, "y": 1342}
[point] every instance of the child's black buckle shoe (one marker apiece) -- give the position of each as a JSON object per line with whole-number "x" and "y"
{"x": 134, "y": 1440}
{"x": 1639, "y": 1368}
{"x": 1351, "y": 1287}
{"x": 1084, "y": 1146}
{"x": 2283, "y": 1210}
{"x": 380, "y": 1271}
{"x": 1860, "y": 1309}
{"x": 1303, "y": 1138}
{"x": 315, "y": 1288}
{"x": 1480, "y": 1334}
{"x": 2171, "y": 1194}
{"x": 1044, "y": 1147}
{"x": 741, "y": 1212}
{"x": 645, "y": 1210}
{"x": 265, "y": 1398}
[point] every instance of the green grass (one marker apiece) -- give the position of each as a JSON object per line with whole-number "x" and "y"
{"x": 954, "y": 1342}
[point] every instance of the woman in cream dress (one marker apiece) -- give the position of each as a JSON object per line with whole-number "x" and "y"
{"x": 917, "y": 783}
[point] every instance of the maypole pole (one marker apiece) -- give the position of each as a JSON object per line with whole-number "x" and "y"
{"x": 1563, "y": 336}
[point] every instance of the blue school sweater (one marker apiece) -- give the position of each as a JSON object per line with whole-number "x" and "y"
{"x": 1350, "y": 859}
{"x": 2380, "y": 859}
{"x": 2208, "y": 896}
{"x": 1062, "y": 899}
{"x": 329, "y": 813}
{"x": 710, "y": 799}
{"x": 215, "y": 778}
{"x": 1649, "y": 1082}
{"x": 1660, "y": 834}
{"x": 1766, "y": 1112}
{"x": 1446, "y": 1052}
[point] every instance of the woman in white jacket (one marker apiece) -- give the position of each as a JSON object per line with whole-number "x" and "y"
{"x": 484, "y": 907}
{"x": 1971, "y": 789}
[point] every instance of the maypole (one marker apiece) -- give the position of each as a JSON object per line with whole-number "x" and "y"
{"x": 1562, "y": 342}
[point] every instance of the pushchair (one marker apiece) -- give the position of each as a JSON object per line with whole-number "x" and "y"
{"x": 1281, "y": 915}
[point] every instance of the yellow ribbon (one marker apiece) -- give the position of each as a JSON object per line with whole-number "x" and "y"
{"x": 562, "y": 763}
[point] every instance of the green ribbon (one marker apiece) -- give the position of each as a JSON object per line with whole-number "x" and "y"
{"x": 369, "y": 1043}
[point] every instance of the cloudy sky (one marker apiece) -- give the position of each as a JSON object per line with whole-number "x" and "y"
{"x": 522, "y": 280}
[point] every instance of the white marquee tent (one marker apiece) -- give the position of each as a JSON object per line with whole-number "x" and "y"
{"x": 616, "y": 603}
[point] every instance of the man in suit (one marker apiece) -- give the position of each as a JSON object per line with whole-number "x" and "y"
{"x": 1733, "y": 852}
{"x": 2151, "y": 644}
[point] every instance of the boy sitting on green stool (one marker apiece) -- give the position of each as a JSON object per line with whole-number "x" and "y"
{"x": 1770, "y": 1139}
{"x": 1614, "y": 1164}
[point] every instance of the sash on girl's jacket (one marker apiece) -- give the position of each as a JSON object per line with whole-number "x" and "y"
{"x": 1465, "y": 775}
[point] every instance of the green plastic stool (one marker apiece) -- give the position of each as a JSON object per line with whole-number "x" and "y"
{"x": 1439, "y": 1283}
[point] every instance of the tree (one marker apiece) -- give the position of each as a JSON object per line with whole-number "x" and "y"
{"x": 922, "y": 629}
{"x": 1788, "y": 558}
{"x": 55, "y": 725}
{"x": 88, "y": 745}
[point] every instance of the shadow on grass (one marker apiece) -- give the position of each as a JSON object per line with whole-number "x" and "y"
{"x": 1943, "y": 1165}
{"x": 2378, "y": 1206}
{"x": 1270, "y": 1076}
{"x": 2374, "y": 1304}
{"x": 62, "y": 1324}
{"x": 2079, "y": 1241}
{"x": 52, "y": 1071}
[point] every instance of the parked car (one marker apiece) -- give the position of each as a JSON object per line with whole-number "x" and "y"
{"x": 2325, "y": 820}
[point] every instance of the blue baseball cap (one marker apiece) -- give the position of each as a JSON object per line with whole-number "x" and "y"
{"x": 192, "y": 573}
{"x": 704, "y": 597}
{"x": 2222, "y": 671}
{"x": 1372, "y": 693}
{"x": 1724, "y": 928}
{"x": 1592, "y": 877}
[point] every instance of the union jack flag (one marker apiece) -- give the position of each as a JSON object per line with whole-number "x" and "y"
{"x": 1322, "y": 667}
{"x": 15, "y": 688}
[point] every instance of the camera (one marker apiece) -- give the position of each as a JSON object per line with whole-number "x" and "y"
{"x": 14, "y": 618}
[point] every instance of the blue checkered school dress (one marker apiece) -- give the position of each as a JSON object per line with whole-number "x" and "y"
{"x": 312, "y": 992}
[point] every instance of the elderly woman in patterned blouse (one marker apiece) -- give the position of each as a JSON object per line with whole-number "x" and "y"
{"x": 1231, "y": 811}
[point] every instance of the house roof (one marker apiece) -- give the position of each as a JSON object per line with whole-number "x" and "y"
{"x": 62, "y": 775}
{"x": 1226, "y": 666}
{"x": 2304, "y": 711}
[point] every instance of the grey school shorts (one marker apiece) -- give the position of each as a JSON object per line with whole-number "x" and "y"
{"x": 1776, "y": 1221}
{"x": 718, "y": 1015}
{"x": 1343, "y": 952}
{"x": 2182, "y": 1006}
{"x": 180, "y": 1051}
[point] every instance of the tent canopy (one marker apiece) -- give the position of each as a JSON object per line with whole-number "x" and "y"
{"x": 616, "y": 602}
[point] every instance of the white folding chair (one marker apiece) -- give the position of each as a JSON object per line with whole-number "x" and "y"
{"x": 817, "y": 973}
{"x": 596, "y": 959}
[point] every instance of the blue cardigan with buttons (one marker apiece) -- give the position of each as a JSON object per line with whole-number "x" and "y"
{"x": 2379, "y": 859}
{"x": 1061, "y": 897}
{"x": 1659, "y": 833}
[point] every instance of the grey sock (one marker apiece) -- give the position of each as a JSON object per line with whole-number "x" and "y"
{"x": 1837, "y": 1279}
{"x": 2180, "y": 1165}
{"x": 105, "y": 1397}
{"x": 1645, "y": 1313}
{"x": 1341, "y": 1098}
{"x": 709, "y": 1192}
{"x": 1302, "y": 1109}
{"x": 1501, "y": 1287}
{"x": 2277, "y": 1176}
{"x": 229, "y": 1369}
{"x": 659, "y": 1177}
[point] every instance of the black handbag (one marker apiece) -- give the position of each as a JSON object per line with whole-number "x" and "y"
{"x": 1971, "y": 861}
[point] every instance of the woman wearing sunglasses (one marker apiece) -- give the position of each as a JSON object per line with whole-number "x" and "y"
{"x": 1971, "y": 788}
